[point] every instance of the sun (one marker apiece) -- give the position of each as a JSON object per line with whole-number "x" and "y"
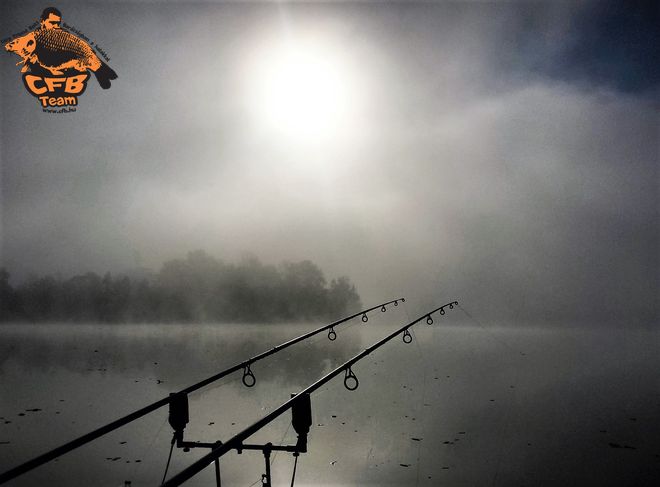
{"x": 301, "y": 90}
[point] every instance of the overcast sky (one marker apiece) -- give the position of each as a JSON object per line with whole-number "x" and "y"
{"x": 503, "y": 154}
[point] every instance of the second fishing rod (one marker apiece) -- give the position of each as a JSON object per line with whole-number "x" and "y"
{"x": 351, "y": 383}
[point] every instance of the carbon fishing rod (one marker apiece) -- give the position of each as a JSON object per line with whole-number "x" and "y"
{"x": 350, "y": 382}
{"x": 248, "y": 380}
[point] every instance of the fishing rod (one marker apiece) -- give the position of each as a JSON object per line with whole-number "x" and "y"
{"x": 350, "y": 382}
{"x": 248, "y": 380}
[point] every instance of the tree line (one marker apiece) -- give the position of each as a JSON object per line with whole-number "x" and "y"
{"x": 199, "y": 288}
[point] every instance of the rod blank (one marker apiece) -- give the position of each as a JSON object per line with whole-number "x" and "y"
{"x": 82, "y": 440}
{"x": 236, "y": 441}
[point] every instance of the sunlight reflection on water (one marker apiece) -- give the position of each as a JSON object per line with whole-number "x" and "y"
{"x": 458, "y": 406}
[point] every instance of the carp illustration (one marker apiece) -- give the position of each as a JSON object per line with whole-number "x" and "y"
{"x": 56, "y": 50}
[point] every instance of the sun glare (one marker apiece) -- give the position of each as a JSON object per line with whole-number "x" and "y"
{"x": 301, "y": 91}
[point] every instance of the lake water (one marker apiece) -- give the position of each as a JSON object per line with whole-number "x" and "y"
{"x": 460, "y": 406}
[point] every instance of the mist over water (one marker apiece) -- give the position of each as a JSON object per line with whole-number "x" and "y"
{"x": 461, "y": 405}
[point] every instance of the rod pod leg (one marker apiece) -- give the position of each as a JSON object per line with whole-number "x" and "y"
{"x": 218, "y": 482}
{"x": 265, "y": 478}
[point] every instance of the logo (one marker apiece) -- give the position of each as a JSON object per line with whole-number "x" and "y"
{"x": 57, "y": 64}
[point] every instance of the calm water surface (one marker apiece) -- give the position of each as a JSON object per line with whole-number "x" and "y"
{"x": 460, "y": 406}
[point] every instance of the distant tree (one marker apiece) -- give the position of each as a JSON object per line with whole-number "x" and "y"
{"x": 259, "y": 290}
{"x": 188, "y": 285}
{"x": 143, "y": 302}
{"x": 343, "y": 298}
{"x": 197, "y": 288}
{"x": 304, "y": 290}
{"x": 10, "y": 307}
{"x": 113, "y": 301}
{"x": 41, "y": 298}
{"x": 83, "y": 298}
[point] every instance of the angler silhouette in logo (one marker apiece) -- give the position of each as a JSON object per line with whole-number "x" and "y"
{"x": 52, "y": 51}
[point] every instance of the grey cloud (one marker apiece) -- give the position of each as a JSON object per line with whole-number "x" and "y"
{"x": 473, "y": 175}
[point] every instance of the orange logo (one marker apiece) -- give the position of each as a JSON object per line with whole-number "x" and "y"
{"x": 56, "y": 63}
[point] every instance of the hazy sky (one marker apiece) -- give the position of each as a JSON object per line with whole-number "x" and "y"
{"x": 503, "y": 154}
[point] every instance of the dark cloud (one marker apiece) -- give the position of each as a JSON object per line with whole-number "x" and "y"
{"x": 608, "y": 43}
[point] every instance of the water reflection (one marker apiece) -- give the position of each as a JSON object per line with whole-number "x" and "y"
{"x": 457, "y": 406}
{"x": 178, "y": 353}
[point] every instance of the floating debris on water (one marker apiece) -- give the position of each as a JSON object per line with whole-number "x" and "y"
{"x": 626, "y": 447}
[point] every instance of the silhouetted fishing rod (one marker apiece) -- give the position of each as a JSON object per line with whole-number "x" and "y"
{"x": 248, "y": 380}
{"x": 350, "y": 382}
